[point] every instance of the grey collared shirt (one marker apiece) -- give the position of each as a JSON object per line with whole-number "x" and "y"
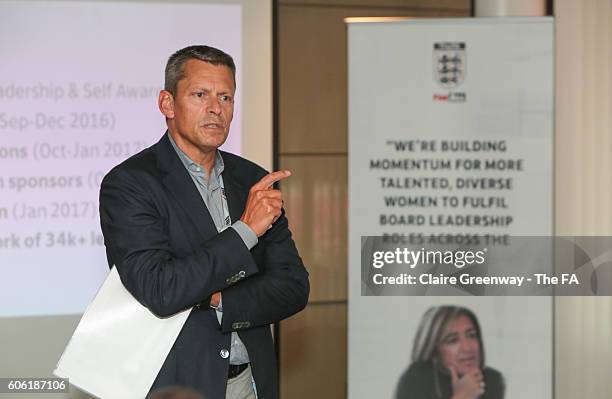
{"x": 211, "y": 191}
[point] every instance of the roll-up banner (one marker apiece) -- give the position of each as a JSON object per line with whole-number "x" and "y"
{"x": 450, "y": 208}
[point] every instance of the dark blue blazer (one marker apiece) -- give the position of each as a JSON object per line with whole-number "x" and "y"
{"x": 169, "y": 255}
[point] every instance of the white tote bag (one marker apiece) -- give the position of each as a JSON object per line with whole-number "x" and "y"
{"x": 119, "y": 346}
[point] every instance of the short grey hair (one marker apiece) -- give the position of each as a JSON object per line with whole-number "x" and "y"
{"x": 175, "y": 68}
{"x": 432, "y": 326}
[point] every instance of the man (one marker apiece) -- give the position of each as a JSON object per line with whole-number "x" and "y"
{"x": 188, "y": 225}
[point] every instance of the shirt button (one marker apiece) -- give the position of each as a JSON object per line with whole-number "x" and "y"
{"x": 224, "y": 353}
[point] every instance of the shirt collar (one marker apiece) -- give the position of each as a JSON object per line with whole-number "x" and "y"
{"x": 192, "y": 166}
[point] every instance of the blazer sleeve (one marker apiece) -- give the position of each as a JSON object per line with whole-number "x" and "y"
{"x": 137, "y": 241}
{"x": 279, "y": 290}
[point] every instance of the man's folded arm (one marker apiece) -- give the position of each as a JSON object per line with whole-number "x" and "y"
{"x": 279, "y": 290}
{"x": 136, "y": 236}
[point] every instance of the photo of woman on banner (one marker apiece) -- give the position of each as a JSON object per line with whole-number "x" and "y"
{"x": 448, "y": 359}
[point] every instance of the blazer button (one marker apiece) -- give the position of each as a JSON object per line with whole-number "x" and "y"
{"x": 242, "y": 273}
{"x": 224, "y": 353}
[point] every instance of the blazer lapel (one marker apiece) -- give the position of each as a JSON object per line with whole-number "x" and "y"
{"x": 181, "y": 187}
{"x": 235, "y": 191}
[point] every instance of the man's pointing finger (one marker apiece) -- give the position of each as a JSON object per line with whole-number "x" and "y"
{"x": 268, "y": 180}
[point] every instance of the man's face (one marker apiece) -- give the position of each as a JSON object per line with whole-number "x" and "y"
{"x": 459, "y": 347}
{"x": 200, "y": 112}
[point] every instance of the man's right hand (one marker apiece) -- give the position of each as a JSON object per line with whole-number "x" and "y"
{"x": 264, "y": 204}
